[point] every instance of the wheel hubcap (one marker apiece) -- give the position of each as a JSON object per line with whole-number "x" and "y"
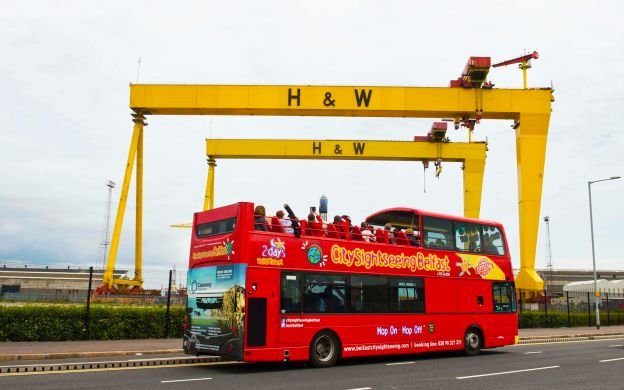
{"x": 324, "y": 348}
{"x": 473, "y": 340}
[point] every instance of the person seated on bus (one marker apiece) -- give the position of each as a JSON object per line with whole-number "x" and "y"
{"x": 329, "y": 302}
{"x": 285, "y": 222}
{"x": 367, "y": 232}
{"x": 411, "y": 237}
{"x": 488, "y": 245}
{"x": 260, "y": 221}
{"x": 388, "y": 228}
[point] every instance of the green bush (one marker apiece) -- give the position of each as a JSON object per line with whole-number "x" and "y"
{"x": 68, "y": 322}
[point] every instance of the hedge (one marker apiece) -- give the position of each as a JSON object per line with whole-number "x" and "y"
{"x": 67, "y": 322}
{"x": 107, "y": 322}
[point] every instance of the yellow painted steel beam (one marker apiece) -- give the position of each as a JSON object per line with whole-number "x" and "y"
{"x": 471, "y": 154}
{"x": 365, "y": 101}
{"x": 531, "y": 152}
{"x": 473, "y": 185}
{"x": 343, "y": 150}
{"x": 107, "y": 278}
{"x": 138, "y": 244}
{"x": 209, "y": 195}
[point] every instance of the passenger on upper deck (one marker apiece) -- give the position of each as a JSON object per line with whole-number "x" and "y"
{"x": 391, "y": 239}
{"x": 286, "y": 223}
{"x": 346, "y": 226}
{"x": 260, "y": 221}
{"x": 367, "y": 232}
{"x": 414, "y": 241}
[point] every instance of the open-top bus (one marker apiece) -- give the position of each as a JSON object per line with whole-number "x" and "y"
{"x": 324, "y": 292}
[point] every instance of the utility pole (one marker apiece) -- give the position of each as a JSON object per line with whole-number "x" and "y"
{"x": 549, "y": 264}
{"x": 105, "y": 242}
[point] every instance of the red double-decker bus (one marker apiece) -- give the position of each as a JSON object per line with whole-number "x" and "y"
{"x": 324, "y": 292}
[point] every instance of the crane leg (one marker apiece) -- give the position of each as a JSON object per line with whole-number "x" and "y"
{"x": 138, "y": 244}
{"x": 209, "y": 197}
{"x": 107, "y": 278}
{"x": 531, "y": 135}
{"x": 473, "y": 186}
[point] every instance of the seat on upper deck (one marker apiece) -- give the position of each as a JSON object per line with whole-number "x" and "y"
{"x": 332, "y": 231}
{"x": 381, "y": 236}
{"x": 356, "y": 234}
{"x": 276, "y": 226}
{"x": 401, "y": 238}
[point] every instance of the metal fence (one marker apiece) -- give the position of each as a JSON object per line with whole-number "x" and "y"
{"x": 571, "y": 308}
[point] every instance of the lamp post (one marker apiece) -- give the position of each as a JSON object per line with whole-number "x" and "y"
{"x": 591, "y": 225}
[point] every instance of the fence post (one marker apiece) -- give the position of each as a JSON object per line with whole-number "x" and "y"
{"x": 168, "y": 316}
{"x": 545, "y": 308}
{"x": 87, "y": 319}
{"x": 608, "y": 311}
{"x": 588, "y": 311}
{"x": 568, "y": 304}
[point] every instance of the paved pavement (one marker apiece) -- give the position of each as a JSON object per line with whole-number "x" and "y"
{"x": 11, "y": 351}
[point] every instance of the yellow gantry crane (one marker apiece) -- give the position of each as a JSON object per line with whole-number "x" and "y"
{"x": 469, "y": 100}
{"x": 471, "y": 155}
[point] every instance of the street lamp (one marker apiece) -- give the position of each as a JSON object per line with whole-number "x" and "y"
{"x": 591, "y": 225}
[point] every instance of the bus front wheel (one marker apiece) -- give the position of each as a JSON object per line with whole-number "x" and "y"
{"x": 324, "y": 350}
{"x": 473, "y": 342}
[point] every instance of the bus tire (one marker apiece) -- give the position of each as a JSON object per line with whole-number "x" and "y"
{"x": 189, "y": 345}
{"x": 473, "y": 341}
{"x": 324, "y": 349}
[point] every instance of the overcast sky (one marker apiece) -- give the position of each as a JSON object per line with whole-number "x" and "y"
{"x": 65, "y": 125}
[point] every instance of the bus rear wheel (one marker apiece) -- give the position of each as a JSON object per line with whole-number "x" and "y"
{"x": 473, "y": 342}
{"x": 324, "y": 350}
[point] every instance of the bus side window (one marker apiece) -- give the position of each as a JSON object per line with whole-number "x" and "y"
{"x": 324, "y": 293}
{"x": 504, "y": 297}
{"x": 493, "y": 242}
{"x": 290, "y": 293}
{"x": 437, "y": 233}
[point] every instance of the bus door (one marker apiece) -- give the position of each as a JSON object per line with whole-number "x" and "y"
{"x": 261, "y": 298}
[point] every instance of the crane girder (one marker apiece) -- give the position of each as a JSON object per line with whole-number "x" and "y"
{"x": 472, "y": 155}
{"x": 355, "y": 101}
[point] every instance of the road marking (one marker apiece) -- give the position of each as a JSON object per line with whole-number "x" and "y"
{"x": 616, "y": 345}
{"x": 532, "y": 353}
{"x": 506, "y": 372}
{"x": 361, "y": 388}
{"x": 186, "y": 380}
{"x": 115, "y": 369}
{"x": 561, "y": 342}
{"x": 399, "y": 363}
{"x": 160, "y": 359}
{"x": 610, "y": 360}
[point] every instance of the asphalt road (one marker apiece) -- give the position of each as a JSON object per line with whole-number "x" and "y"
{"x": 578, "y": 365}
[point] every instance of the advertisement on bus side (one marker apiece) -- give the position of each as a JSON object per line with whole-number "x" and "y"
{"x": 216, "y": 309}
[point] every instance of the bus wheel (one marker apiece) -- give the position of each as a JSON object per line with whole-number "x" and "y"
{"x": 472, "y": 342}
{"x": 324, "y": 350}
{"x": 189, "y": 345}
